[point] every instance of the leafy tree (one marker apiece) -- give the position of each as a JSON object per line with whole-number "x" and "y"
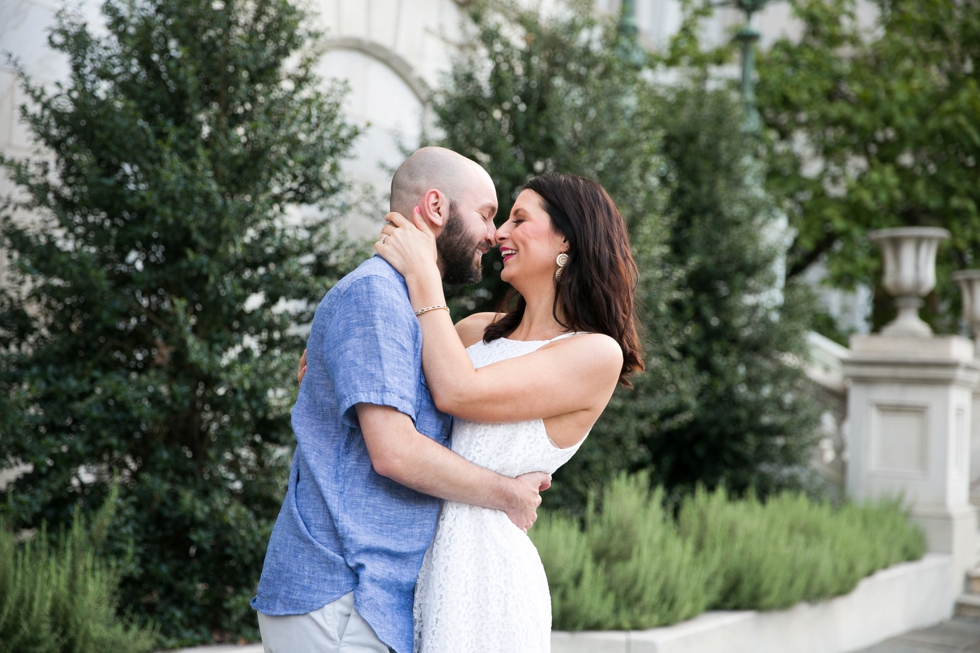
{"x": 541, "y": 94}
{"x": 145, "y": 329}
{"x": 753, "y": 418}
{"x": 877, "y": 128}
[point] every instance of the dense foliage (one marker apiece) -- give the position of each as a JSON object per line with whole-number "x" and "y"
{"x": 634, "y": 566}
{"x": 63, "y": 599}
{"x": 145, "y": 326}
{"x": 875, "y": 126}
{"x": 719, "y": 401}
{"x": 556, "y": 98}
{"x": 753, "y": 416}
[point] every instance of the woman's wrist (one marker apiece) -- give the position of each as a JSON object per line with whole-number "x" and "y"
{"x": 425, "y": 290}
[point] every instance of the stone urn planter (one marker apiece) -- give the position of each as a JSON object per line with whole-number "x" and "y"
{"x": 969, "y": 283}
{"x": 909, "y": 255}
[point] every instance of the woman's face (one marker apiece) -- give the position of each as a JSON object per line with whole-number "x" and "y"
{"x": 528, "y": 243}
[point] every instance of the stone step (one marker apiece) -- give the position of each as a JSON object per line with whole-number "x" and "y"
{"x": 973, "y": 581}
{"x": 968, "y": 606}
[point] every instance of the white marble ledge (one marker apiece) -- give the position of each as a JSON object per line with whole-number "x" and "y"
{"x": 893, "y": 601}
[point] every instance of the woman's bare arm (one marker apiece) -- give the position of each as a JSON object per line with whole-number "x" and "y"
{"x": 570, "y": 375}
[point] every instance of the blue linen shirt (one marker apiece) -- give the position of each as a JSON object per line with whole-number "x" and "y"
{"x": 342, "y": 526}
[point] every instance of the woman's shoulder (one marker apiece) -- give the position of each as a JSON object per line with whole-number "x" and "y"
{"x": 470, "y": 329}
{"x": 597, "y": 346}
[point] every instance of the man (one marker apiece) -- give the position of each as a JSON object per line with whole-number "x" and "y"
{"x": 371, "y": 459}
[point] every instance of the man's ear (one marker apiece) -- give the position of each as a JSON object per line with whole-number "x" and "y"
{"x": 435, "y": 209}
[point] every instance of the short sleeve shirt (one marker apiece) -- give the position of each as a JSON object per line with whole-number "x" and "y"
{"x": 342, "y": 526}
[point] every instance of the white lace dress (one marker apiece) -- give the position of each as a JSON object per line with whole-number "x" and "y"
{"x": 482, "y": 588}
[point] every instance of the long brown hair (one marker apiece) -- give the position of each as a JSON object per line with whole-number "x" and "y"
{"x": 595, "y": 290}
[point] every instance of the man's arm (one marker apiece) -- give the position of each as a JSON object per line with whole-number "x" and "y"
{"x": 404, "y": 455}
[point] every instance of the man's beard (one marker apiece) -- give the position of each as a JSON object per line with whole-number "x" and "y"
{"x": 457, "y": 249}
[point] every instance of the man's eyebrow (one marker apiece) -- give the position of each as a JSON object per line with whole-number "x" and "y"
{"x": 490, "y": 207}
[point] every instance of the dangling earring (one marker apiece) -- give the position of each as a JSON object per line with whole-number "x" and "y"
{"x": 561, "y": 261}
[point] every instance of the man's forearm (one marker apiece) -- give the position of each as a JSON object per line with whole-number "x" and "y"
{"x": 430, "y": 468}
{"x": 404, "y": 455}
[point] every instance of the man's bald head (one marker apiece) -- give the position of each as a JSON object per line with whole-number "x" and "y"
{"x": 434, "y": 168}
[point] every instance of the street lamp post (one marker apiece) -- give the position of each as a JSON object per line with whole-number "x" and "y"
{"x": 627, "y": 19}
{"x": 629, "y": 50}
{"x": 748, "y": 36}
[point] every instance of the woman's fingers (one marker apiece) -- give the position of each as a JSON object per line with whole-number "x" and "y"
{"x": 420, "y": 222}
{"x": 399, "y": 226}
{"x": 397, "y": 219}
{"x": 302, "y": 369}
{"x": 393, "y": 222}
{"x": 407, "y": 248}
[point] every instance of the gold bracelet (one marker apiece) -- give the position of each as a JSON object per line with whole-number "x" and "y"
{"x": 430, "y": 308}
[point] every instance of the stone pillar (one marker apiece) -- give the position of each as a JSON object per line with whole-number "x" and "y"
{"x": 910, "y": 407}
{"x": 969, "y": 283}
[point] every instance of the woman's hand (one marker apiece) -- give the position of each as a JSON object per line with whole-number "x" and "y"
{"x": 409, "y": 248}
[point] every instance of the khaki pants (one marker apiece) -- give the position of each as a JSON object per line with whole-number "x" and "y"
{"x": 334, "y": 628}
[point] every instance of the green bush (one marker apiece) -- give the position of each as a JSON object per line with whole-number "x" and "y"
{"x": 146, "y": 324}
{"x": 773, "y": 555}
{"x": 62, "y": 598}
{"x": 631, "y": 565}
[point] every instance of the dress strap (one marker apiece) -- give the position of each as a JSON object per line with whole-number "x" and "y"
{"x": 567, "y": 335}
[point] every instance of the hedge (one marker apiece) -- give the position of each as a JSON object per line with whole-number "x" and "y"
{"x": 632, "y": 564}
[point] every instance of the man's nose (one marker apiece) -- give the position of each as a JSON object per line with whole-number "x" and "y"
{"x": 492, "y": 234}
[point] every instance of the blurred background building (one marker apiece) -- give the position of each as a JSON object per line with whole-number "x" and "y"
{"x": 390, "y": 52}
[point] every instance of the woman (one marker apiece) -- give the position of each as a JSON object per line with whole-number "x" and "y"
{"x": 525, "y": 386}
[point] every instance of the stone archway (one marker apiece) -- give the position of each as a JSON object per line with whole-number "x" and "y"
{"x": 398, "y": 64}
{"x": 389, "y": 100}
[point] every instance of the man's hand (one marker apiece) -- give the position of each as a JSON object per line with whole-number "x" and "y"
{"x": 302, "y": 369}
{"x": 527, "y": 490}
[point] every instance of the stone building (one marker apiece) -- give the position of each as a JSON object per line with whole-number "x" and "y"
{"x": 390, "y": 52}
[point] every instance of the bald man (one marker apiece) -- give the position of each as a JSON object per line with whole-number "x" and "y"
{"x": 372, "y": 459}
